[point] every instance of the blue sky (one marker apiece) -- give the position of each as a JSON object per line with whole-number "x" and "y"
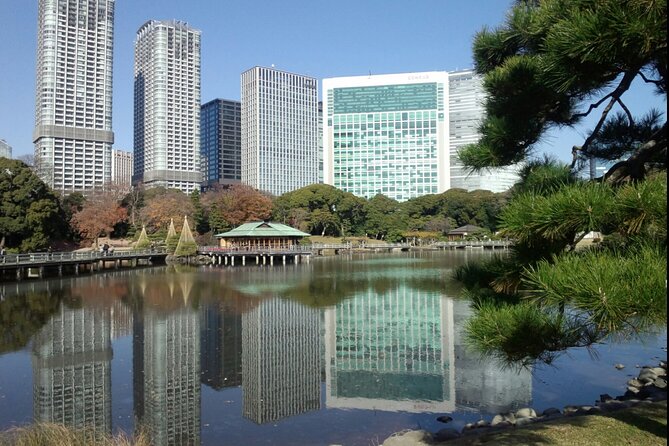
{"x": 318, "y": 38}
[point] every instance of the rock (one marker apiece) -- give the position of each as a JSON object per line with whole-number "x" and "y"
{"x": 526, "y": 412}
{"x": 446, "y": 434}
{"x": 469, "y": 426}
{"x": 524, "y": 421}
{"x": 444, "y": 419}
{"x": 497, "y": 419}
{"x": 482, "y": 423}
{"x": 663, "y": 364}
{"x": 612, "y": 405}
{"x": 502, "y": 424}
{"x": 570, "y": 410}
{"x": 410, "y": 438}
{"x": 647, "y": 373}
{"x": 659, "y": 371}
{"x": 551, "y": 411}
{"x": 634, "y": 383}
{"x": 633, "y": 390}
{"x": 604, "y": 397}
{"x": 660, "y": 383}
{"x": 619, "y": 366}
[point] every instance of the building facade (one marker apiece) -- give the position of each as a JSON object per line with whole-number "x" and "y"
{"x": 221, "y": 142}
{"x": 279, "y": 130}
{"x": 73, "y": 114}
{"x": 466, "y": 109}
{"x": 121, "y": 168}
{"x": 167, "y": 106}
{"x": 387, "y": 134}
{"x": 5, "y": 149}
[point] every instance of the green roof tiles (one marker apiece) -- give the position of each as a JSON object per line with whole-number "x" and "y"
{"x": 263, "y": 229}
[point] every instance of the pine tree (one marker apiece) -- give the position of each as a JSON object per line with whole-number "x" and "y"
{"x": 143, "y": 241}
{"x": 172, "y": 238}
{"x": 551, "y": 64}
{"x": 186, "y": 245}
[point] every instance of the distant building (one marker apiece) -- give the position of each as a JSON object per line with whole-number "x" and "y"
{"x": 167, "y": 106}
{"x": 466, "y": 109}
{"x": 73, "y": 119}
{"x": 387, "y": 134}
{"x": 5, "y": 149}
{"x": 464, "y": 231}
{"x": 221, "y": 142}
{"x": 279, "y": 130}
{"x": 261, "y": 235}
{"x": 320, "y": 142}
{"x": 121, "y": 168}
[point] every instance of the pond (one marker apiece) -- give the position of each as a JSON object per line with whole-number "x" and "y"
{"x": 345, "y": 350}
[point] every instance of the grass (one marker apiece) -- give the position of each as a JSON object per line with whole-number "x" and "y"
{"x": 47, "y": 434}
{"x": 642, "y": 425}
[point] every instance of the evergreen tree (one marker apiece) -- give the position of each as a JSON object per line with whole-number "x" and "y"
{"x": 143, "y": 241}
{"x": 186, "y": 245}
{"x": 172, "y": 238}
{"x": 551, "y": 64}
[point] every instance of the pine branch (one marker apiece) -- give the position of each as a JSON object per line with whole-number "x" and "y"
{"x": 634, "y": 165}
{"x": 629, "y": 114}
{"x": 650, "y": 81}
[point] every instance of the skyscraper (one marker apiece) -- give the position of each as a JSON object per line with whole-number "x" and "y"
{"x": 5, "y": 149}
{"x": 73, "y": 116}
{"x": 121, "y": 167}
{"x": 466, "y": 102}
{"x": 387, "y": 134}
{"x": 221, "y": 142}
{"x": 279, "y": 130}
{"x": 167, "y": 106}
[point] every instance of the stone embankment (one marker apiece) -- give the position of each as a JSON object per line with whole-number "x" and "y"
{"x": 648, "y": 387}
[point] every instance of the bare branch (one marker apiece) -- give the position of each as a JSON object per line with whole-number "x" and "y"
{"x": 629, "y": 115}
{"x": 592, "y": 107}
{"x": 634, "y": 166}
{"x": 650, "y": 81}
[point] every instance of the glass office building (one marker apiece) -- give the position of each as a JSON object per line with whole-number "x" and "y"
{"x": 279, "y": 130}
{"x": 387, "y": 134}
{"x": 466, "y": 109}
{"x": 221, "y": 142}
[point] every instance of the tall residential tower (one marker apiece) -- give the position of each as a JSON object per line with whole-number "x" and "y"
{"x": 73, "y": 111}
{"x": 279, "y": 130}
{"x": 167, "y": 106}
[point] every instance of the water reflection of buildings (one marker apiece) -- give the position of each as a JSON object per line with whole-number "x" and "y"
{"x": 166, "y": 369}
{"x": 280, "y": 360}
{"x": 221, "y": 346}
{"x": 483, "y": 383}
{"x": 403, "y": 350}
{"x": 390, "y": 352}
{"x": 72, "y": 369}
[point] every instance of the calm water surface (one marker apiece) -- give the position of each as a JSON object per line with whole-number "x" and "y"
{"x": 345, "y": 350}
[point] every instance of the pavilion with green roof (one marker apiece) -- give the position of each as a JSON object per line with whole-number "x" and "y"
{"x": 260, "y": 235}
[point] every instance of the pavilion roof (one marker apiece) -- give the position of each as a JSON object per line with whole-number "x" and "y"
{"x": 263, "y": 229}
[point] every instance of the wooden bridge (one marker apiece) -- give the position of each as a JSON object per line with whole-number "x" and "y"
{"x": 255, "y": 256}
{"x": 39, "y": 264}
{"x": 471, "y": 244}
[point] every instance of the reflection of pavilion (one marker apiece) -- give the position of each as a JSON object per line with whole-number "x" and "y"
{"x": 390, "y": 352}
{"x": 280, "y": 360}
{"x": 483, "y": 383}
{"x": 72, "y": 369}
{"x": 166, "y": 349}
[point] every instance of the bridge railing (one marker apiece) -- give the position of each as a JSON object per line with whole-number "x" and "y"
{"x": 218, "y": 250}
{"x": 474, "y": 243}
{"x": 56, "y": 257}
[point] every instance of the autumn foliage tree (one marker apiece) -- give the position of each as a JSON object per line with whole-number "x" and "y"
{"x": 235, "y": 205}
{"x": 100, "y": 213}
{"x": 164, "y": 205}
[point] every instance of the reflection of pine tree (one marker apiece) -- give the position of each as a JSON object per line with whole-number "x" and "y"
{"x": 186, "y": 245}
{"x": 172, "y": 238}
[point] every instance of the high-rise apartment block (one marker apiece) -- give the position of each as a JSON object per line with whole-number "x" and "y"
{"x": 387, "y": 134}
{"x": 167, "y": 106}
{"x": 5, "y": 149}
{"x": 73, "y": 117}
{"x": 221, "y": 142}
{"x": 121, "y": 167}
{"x": 279, "y": 130}
{"x": 466, "y": 102}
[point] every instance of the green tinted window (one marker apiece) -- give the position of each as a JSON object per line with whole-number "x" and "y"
{"x": 385, "y": 98}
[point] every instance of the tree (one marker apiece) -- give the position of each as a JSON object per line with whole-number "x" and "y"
{"x": 100, "y": 213}
{"x": 186, "y": 245}
{"x": 551, "y": 64}
{"x": 162, "y": 206}
{"x": 237, "y": 204}
{"x": 199, "y": 214}
{"x": 31, "y": 216}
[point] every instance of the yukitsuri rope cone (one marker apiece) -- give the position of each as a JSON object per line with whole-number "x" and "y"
{"x": 172, "y": 238}
{"x": 143, "y": 241}
{"x": 186, "y": 246}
